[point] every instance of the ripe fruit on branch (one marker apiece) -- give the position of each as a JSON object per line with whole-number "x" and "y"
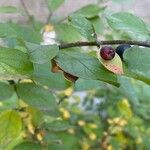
{"x": 107, "y": 52}
{"x": 121, "y": 48}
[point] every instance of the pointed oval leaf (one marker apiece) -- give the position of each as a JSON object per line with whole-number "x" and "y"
{"x": 137, "y": 63}
{"x": 14, "y": 63}
{"x": 83, "y": 26}
{"x": 90, "y": 10}
{"x": 84, "y": 66}
{"x": 41, "y": 54}
{"x": 37, "y": 97}
{"x": 128, "y": 22}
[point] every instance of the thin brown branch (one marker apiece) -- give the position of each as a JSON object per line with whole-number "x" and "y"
{"x": 99, "y": 43}
{"x": 27, "y": 13}
{"x": 62, "y": 20}
{"x": 25, "y": 8}
{"x": 49, "y": 17}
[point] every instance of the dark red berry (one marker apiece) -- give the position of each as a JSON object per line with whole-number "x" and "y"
{"x": 107, "y": 52}
{"x": 121, "y": 48}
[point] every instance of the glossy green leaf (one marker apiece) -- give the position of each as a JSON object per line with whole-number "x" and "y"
{"x": 89, "y": 11}
{"x": 6, "y": 91}
{"x": 37, "y": 97}
{"x": 14, "y": 62}
{"x": 10, "y": 127}
{"x": 54, "y": 4}
{"x": 137, "y": 63}
{"x": 8, "y": 9}
{"x": 83, "y": 26}
{"x": 127, "y": 22}
{"x": 41, "y": 54}
{"x": 84, "y": 66}
{"x": 27, "y": 146}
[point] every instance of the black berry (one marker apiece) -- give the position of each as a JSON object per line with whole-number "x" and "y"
{"x": 107, "y": 52}
{"x": 121, "y": 48}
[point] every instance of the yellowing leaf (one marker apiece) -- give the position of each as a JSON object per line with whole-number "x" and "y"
{"x": 10, "y": 126}
{"x": 114, "y": 65}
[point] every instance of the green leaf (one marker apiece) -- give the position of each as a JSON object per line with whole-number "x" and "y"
{"x": 128, "y": 22}
{"x": 10, "y": 127}
{"x": 127, "y": 89}
{"x": 138, "y": 94}
{"x": 8, "y": 9}
{"x": 67, "y": 33}
{"x": 7, "y": 31}
{"x": 37, "y": 116}
{"x": 10, "y": 103}
{"x": 123, "y": 1}
{"x": 84, "y": 85}
{"x": 58, "y": 147}
{"x": 6, "y": 91}
{"x": 12, "y": 30}
{"x": 57, "y": 125}
{"x": 137, "y": 63}
{"x": 14, "y": 64}
{"x": 37, "y": 97}
{"x": 26, "y": 33}
{"x": 43, "y": 76}
{"x": 27, "y": 146}
{"x": 51, "y": 137}
{"x": 89, "y": 11}
{"x": 98, "y": 24}
{"x": 54, "y": 4}
{"x": 70, "y": 142}
{"x": 83, "y": 26}
{"x": 13, "y": 143}
{"x": 84, "y": 66}
{"x": 41, "y": 54}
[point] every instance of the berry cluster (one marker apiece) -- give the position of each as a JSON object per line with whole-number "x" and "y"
{"x": 108, "y": 53}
